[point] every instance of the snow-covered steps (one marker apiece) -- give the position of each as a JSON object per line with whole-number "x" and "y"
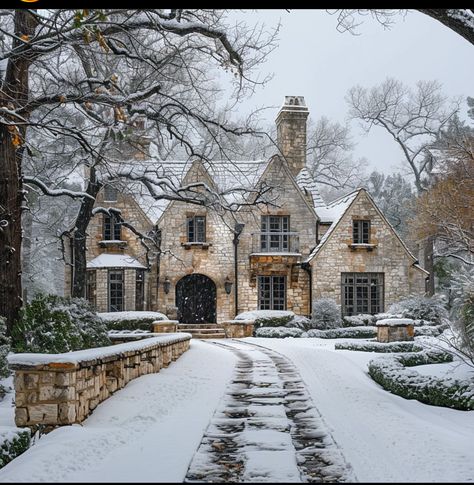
{"x": 266, "y": 428}
{"x": 202, "y": 330}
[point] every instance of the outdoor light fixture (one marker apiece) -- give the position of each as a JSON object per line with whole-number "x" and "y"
{"x": 227, "y": 285}
{"x": 166, "y": 285}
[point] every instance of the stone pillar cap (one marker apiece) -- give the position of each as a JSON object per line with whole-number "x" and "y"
{"x": 295, "y": 102}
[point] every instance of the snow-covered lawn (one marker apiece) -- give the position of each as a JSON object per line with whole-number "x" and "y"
{"x": 150, "y": 430}
{"x": 384, "y": 437}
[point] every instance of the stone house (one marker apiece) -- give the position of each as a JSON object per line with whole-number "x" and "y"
{"x": 214, "y": 263}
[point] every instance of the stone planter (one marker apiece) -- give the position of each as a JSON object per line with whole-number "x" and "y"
{"x": 238, "y": 328}
{"x": 164, "y": 326}
{"x": 395, "y": 330}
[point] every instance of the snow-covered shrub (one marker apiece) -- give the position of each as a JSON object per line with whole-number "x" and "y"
{"x": 326, "y": 314}
{"x": 421, "y": 308}
{"x": 392, "y": 374}
{"x": 130, "y": 320}
{"x": 13, "y": 442}
{"x": 358, "y": 320}
{"x": 278, "y": 332}
{"x": 299, "y": 321}
{"x": 349, "y": 332}
{"x": 4, "y": 348}
{"x": 430, "y": 330}
{"x": 379, "y": 346}
{"x": 53, "y": 324}
{"x": 267, "y": 318}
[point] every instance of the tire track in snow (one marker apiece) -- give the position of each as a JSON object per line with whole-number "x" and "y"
{"x": 266, "y": 427}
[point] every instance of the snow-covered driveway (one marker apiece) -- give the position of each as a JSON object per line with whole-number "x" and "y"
{"x": 248, "y": 410}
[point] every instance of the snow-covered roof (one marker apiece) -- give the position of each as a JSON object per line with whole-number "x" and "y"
{"x": 333, "y": 212}
{"x": 114, "y": 261}
{"x": 308, "y": 184}
{"x": 230, "y": 177}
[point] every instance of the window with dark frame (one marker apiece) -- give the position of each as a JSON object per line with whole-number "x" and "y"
{"x": 275, "y": 233}
{"x": 112, "y": 228}
{"x": 362, "y": 293}
{"x": 140, "y": 290}
{"x": 271, "y": 293}
{"x": 110, "y": 193}
{"x": 91, "y": 285}
{"x": 116, "y": 290}
{"x": 196, "y": 226}
{"x": 360, "y": 231}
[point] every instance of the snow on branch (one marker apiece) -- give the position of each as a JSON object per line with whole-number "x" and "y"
{"x": 55, "y": 192}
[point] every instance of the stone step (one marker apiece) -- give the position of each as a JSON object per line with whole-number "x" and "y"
{"x": 198, "y": 325}
{"x": 208, "y": 335}
{"x": 202, "y": 330}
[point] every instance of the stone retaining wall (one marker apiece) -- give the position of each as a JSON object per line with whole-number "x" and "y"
{"x": 236, "y": 329}
{"x": 59, "y": 389}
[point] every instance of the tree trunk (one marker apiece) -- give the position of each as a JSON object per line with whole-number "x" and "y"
{"x": 453, "y": 19}
{"x": 13, "y": 94}
{"x": 83, "y": 219}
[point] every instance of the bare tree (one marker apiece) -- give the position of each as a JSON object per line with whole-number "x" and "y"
{"x": 459, "y": 20}
{"x": 56, "y": 61}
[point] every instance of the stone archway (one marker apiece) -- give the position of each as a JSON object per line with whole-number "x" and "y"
{"x": 196, "y": 299}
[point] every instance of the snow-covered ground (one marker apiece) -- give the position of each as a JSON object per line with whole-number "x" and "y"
{"x": 151, "y": 430}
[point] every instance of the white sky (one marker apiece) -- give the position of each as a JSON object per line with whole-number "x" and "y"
{"x": 316, "y": 61}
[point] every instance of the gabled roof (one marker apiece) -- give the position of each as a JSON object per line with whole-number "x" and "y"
{"x": 308, "y": 185}
{"x": 336, "y": 210}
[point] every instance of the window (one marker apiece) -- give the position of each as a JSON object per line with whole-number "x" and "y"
{"x": 362, "y": 293}
{"x": 360, "y": 232}
{"x": 112, "y": 228}
{"x": 196, "y": 229}
{"x": 274, "y": 235}
{"x": 91, "y": 285}
{"x": 140, "y": 290}
{"x": 110, "y": 193}
{"x": 116, "y": 290}
{"x": 271, "y": 293}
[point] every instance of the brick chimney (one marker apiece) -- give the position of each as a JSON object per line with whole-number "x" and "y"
{"x": 291, "y": 132}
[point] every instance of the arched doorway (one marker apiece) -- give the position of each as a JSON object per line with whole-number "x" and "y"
{"x": 196, "y": 299}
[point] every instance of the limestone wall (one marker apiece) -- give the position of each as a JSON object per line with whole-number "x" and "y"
{"x": 59, "y": 389}
{"x": 388, "y": 256}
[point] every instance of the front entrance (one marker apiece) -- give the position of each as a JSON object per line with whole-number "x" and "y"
{"x": 196, "y": 299}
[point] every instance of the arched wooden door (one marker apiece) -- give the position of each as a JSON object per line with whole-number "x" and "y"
{"x": 196, "y": 299}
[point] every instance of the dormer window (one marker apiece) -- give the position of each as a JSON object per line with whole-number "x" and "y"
{"x": 196, "y": 226}
{"x": 112, "y": 228}
{"x": 110, "y": 193}
{"x": 360, "y": 232}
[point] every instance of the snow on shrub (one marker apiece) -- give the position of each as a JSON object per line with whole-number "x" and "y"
{"x": 348, "y": 332}
{"x": 267, "y": 318}
{"x": 299, "y": 321}
{"x": 4, "y": 349}
{"x": 53, "y": 324}
{"x": 326, "y": 314}
{"x": 130, "y": 320}
{"x": 379, "y": 346}
{"x": 421, "y": 308}
{"x": 278, "y": 332}
{"x": 394, "y": 376}
{"x": 13, "y": 442}
{"x": 358, "y": 320}
{"x": 430, "y": 330}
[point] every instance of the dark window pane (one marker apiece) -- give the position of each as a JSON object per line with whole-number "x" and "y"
{"x": 271, "y": 293}
{"x": 362, "y": 293}
{"x": 360, "y": 232}
{"x": 116, "y": 291}
{"x": 196, "y": 227}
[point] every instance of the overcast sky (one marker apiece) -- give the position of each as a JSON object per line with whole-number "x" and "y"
{"x": 316, "y": 61}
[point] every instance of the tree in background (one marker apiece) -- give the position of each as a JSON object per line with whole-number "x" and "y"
{"x": 73, "y": 75}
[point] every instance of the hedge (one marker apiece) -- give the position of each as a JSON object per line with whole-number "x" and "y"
{"x": 346, "y": 332}
{"x": 392, "y": 374}
{"x": 13, "y": 442}
{"x": 277, "y": 332}
{"x": 379, "y": 346}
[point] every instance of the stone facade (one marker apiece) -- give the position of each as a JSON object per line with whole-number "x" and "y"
{"x": 388, "y": 255}
{"x": 58, "y": 393}
{"x": 234, "y": 281}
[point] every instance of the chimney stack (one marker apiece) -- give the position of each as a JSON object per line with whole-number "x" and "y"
{"x": 291, "y": 132}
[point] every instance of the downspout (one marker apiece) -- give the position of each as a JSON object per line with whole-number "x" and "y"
{"x": 237, "y": 231}
{"x": 307, "y": 267}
